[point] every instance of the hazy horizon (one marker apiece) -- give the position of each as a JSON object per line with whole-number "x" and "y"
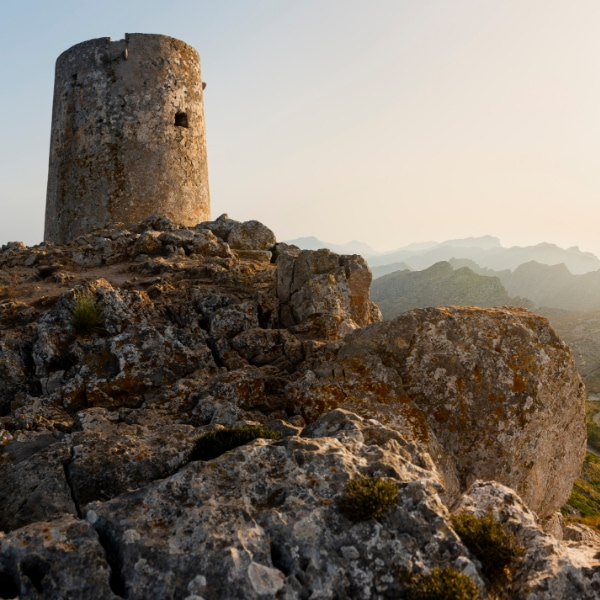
{"x": 433, "y": 243}
{"x": 389, "y": 123}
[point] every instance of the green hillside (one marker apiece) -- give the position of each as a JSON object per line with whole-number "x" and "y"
{"x": 546, "y": 285}
{"x": 438, "y": 285}
{"x": 584, "y": 504}
{"x": 581, "y": 330}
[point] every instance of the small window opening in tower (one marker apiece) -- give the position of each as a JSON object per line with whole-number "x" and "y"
{"x": 181, "y": 120}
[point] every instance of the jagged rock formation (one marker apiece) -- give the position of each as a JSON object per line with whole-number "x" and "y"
{"x": 218, "y": 325}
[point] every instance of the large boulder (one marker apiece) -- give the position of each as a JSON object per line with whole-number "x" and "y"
{"x": 56, "y": 560}
{"x": 496, "y": 388}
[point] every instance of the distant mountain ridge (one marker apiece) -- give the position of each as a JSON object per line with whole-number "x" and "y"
{"x": 497, "y": 258}
{"x": 353, "y": 247}
{"x": 486, "y": 251}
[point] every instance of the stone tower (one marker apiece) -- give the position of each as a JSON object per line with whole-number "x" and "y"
{"x": 128, "y": 136}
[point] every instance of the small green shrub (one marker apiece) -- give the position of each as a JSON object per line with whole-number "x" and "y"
{"x": 492, "y": 544}
{"x": 218, "y": 442}
{"x": 87, "y": 315}
{"x": 367, "y": 498}
{"x": 444, "y": 584}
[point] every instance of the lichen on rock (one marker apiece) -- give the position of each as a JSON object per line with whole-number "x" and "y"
{"x": 218, "y": 325}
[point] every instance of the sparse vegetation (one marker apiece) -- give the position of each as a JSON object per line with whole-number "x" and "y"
{"x": 583, "y": 505}
{"x": 367, "y": 498}
{"x": 492, "y": 545}
{"x": 87, "y": 315}
{"x": 585, "y": 496}
{"x": 218, "y": 442}
{"x": 444, "y": 584}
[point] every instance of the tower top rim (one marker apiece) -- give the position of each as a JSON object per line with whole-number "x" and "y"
{"x": 127, "y": 39}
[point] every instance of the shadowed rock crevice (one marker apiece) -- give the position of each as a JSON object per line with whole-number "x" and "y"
{"x": 35, "y": 568}
{"x": 116, "y": 580}
{"x": 68, "y": 478}
{"x": 9, "y": 585}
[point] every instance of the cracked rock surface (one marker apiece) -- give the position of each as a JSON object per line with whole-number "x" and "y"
{"x": 218, "y": 325}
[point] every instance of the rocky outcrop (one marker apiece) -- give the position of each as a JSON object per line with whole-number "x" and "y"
{"x": 549, "y": 570}
{"x": 38, "y": 561}
{"x": 322, "y": 293}
{"x": 264, "y": 519}
{"x": 496, "y": 388}
{"x": 218, "y": 325}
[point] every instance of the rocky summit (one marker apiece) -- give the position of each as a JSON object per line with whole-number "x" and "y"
{"x": 123, "y": 348}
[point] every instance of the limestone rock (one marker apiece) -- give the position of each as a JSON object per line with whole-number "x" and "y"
{"x": 264, "y": 519}
{"x": 497, "y": 388}
{"x": 138, "y": 357}
{"x": 35, "y": 562}
{"x": 218, "y": 325}
{"x": 229, "y": 321}
{"x": 268, "y": 346}
{"x": 157, "y": 223}
{"x": 549, "y": 570}
{"x": 323, "y": 293}
{"x": 147, "y": 243}
{"x": 34, "y": 488}
{"x": 105, "y": 465}
{"x": 12, "y": 375}
{"x": 249, "y": 235}
{"x": 577, "y": 532}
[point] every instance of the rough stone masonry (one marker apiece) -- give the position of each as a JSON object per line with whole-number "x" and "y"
{"x": 128, "y": 137}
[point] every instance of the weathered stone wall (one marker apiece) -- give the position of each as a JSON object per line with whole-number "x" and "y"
{"x": 128, "y": 136}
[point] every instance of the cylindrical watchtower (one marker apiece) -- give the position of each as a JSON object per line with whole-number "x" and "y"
{"x": 128, "y": 137}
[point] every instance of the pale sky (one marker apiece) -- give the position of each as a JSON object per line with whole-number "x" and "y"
{"x": 386, "y": 121}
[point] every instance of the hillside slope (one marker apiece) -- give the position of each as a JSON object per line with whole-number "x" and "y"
{"x": 547, "y": 286}
{"x": 438, "y": 285}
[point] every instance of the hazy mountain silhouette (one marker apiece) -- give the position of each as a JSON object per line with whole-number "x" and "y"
{"x": 353, "y": 247}
{"x": 486, "y": 251}
{"x": 385, "y": 269}
{"x": 489, "y": 255}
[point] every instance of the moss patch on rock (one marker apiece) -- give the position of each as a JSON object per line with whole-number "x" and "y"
{"x": 494, "y": 546}
{"x": 367, "y": 498}
{"x": 215, "y": 443}
{"x": 87, "y": 316}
